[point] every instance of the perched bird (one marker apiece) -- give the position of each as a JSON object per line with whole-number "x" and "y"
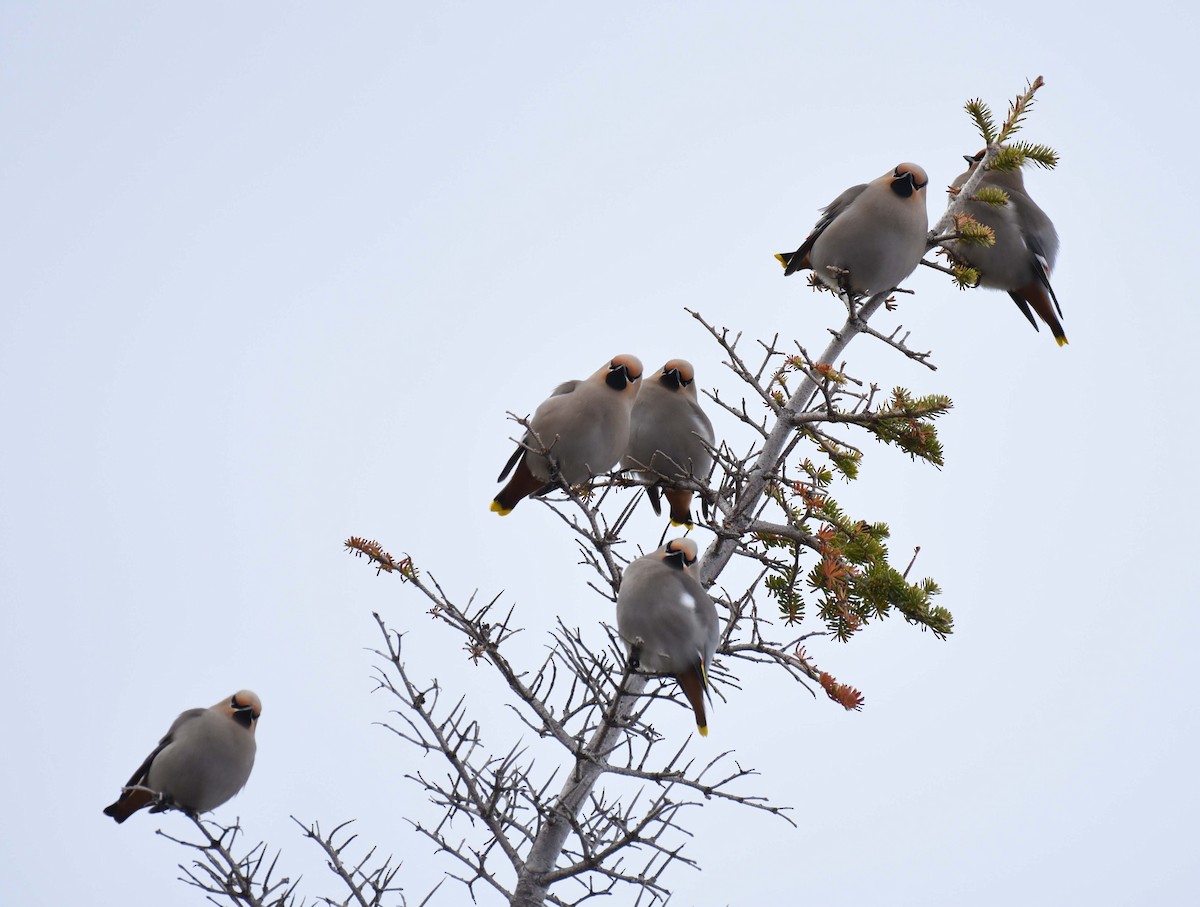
{"x": 668, "y": 622}
{"x": 204, "y": 760}
{"x": 1026, "y": 246}
{"x": 670, "y": 438}
{"x": 580, "y": 431}
{"x": 870, "y": 237}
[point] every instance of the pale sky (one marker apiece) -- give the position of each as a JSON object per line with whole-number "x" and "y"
{"x": 272, "y": 275}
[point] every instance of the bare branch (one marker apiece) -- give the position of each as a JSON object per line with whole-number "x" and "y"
{"x": 248, "y": 879}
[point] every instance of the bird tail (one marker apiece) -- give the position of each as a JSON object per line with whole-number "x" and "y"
{"x": 795, "y": 261}
{"x": 130, "y": 801}
{"x": 522, "y": 484}
{"x": 692, "y": 682}
{"x": 681, "y": 506}
{"x": 1040, "y": 297}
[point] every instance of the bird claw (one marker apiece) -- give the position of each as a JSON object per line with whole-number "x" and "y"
{"x": 162, "y": 803}
{"x": 635, "y": 649}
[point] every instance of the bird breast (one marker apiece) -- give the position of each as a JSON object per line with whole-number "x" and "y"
{"x": 207, "y": 765}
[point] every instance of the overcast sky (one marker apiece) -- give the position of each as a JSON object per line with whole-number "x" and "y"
{"x": 272, "y": 274}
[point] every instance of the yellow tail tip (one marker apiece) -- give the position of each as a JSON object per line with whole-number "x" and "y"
{"x": 781, "y": 258}
{"x": 1061, "y": 341}
{"x": 689, "y": 525}
{"x": 703, "y": 729}
{"x": 497, "y": 507}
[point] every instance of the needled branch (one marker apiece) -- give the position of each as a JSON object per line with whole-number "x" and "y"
{"x": 742, "y": 512}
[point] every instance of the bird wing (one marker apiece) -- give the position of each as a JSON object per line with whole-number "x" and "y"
{"x": 143, "y": 770}
{"x": 798, "y": 260}
{"x": 512, "y": 461}
{"x": 1043, "y": 267}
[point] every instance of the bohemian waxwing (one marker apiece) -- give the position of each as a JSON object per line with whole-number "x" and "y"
{"x": 1026, "y": 246}
{"x": 872, "y": 235}
{"x": 668, "y": 622}
{"x": 670, "y": 437}
{"x": 583, "y": 427}
{"x": 204, "y": 760}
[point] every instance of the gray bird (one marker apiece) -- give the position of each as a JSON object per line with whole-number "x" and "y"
{"x": 204, "y": 760}
{"x": 870, "y": 237}
{"x": 1026, "y": 246}
{"x": 670, "y": 438}
{"x": 668, "y": 622}
{"x": 583, "y": 428}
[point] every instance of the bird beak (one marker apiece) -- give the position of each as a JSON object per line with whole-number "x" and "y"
{"x": 904, "y": 185}
{"x": 617, "y": 378}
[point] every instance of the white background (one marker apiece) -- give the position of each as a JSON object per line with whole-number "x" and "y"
{"x": 271, "y": 275}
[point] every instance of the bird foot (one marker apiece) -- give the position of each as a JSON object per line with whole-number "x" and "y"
{"x": 165, "y": 803}
{"x": 635, "y": 650}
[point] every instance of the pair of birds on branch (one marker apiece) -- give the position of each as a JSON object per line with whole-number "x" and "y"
{"x": 872, "y": 236}
{"x": 869, "y": 239}
{"x": 654, "y": 427}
